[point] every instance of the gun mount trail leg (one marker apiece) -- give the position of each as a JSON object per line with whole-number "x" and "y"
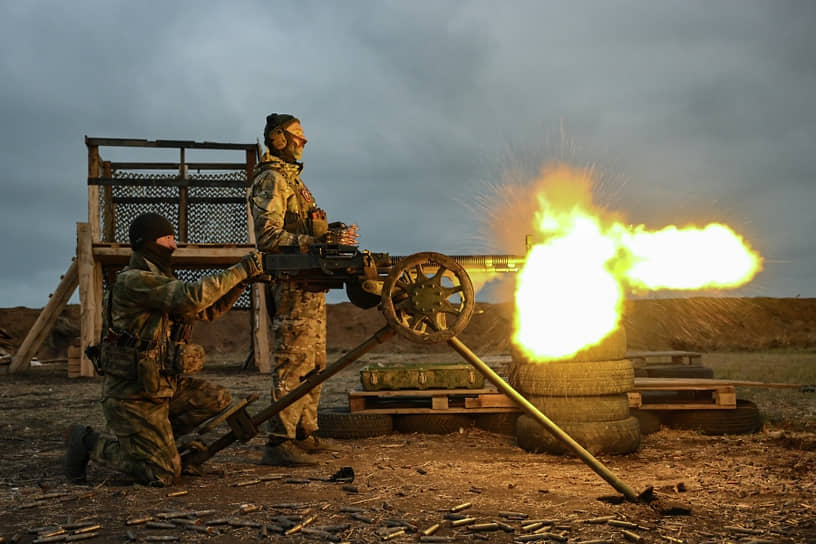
{"x": 535, "y": 413}
{"x": 199, "y": 456}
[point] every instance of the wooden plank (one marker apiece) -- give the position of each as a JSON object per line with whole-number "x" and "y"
{"x": 420, "y": 392}
{"x": 644, "y": 358}
{"x": 139, "y": 142}
{"x": 197, "y": 255}
{"x": 89, "y": 308}
{"x": 45, "y": 321}
{"x": 498, "y": 400}
{"x": 657, "y": 384}
{"x": 451, "y": 410}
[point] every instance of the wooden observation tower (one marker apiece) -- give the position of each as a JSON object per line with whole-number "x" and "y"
{"x": 204, "y": 199}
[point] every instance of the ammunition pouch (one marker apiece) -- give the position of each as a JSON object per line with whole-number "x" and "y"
{"x": 149, "y": 370}
{"x": 293, "y": 223}
{"x": 188, "y": 359}
{"x": 118, "y": 361}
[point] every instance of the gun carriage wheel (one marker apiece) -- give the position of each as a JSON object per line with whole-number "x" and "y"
{"x": 428, "y": 298}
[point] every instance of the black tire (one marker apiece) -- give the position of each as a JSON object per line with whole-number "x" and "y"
{"x": 744, "y": 419}
{"x": 612, "y": 437}
{"x": 650, "y": 420}
{"x": 612, "y": 347}
{"x": 584, "y": 408}
{"x": 432, "y": 423}
{"x": 340, "y": 423}
{"x": 675, "y": 371}
{"x": 499, "y": 423}
{"x": 575, "y": 379}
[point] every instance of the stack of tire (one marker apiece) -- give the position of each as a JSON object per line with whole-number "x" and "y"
{"x": 585, "y": 395}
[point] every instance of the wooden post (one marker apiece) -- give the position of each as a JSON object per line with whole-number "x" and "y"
{"x": 259, "y": 318}
{"x": 89, "y": 307}
{"x": 45, "y": 321}
{"x": 183, "y": 194}
{"x": 94, "y": 163}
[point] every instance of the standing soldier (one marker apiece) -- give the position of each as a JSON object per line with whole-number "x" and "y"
{"x": 145, "y": 357}
{"x": 287, "y": 219}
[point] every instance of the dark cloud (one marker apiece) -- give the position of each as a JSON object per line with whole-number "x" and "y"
{"x": 414, "y": 111}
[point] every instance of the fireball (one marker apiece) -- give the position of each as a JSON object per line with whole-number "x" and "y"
{"x": 570, "y": 292}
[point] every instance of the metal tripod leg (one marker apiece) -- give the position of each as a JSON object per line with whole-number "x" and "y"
{"x": 249, "y": 428}
{"x": 535, "y": 413}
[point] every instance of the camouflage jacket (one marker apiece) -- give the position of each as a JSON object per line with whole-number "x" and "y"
{"x": 146, "y": 305}
{"x": 282, "y": 206}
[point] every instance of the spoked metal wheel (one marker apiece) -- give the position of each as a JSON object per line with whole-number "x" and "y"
{"x": 428, "y": 298}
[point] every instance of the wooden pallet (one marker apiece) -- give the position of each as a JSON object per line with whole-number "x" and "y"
{"x": 649, "y": 358}
{"x": 430, "y": 401}
{"x": 706, "y": 394}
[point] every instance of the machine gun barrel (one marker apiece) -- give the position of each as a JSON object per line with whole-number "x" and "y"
{"x": 483, "y": 263}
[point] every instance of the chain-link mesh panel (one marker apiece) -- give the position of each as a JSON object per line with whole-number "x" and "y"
{"x": 215, "y": 205}
{"x": 215, "y": 211}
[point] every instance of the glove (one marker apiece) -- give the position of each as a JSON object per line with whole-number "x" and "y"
{"x": 252, "y": 263}
{"x": 340, "y": 233}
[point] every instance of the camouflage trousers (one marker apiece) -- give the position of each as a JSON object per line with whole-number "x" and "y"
{"x": 299, "y": 330}
{"x": 144, "y": 446}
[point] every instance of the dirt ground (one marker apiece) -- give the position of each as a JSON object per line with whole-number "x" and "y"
{"x": 752, "y": 488}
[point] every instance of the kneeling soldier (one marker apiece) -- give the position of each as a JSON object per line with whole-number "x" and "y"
{"x": 144, "y": 357}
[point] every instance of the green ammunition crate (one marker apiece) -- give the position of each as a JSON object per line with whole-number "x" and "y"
{"x": 393, "y": 376}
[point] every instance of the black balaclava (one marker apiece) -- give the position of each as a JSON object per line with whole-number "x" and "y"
{"x": 143, "y": 233}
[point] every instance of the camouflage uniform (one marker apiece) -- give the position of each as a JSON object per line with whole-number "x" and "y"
{"x": 145, "y": 397}
{"x": 283, "y": 212}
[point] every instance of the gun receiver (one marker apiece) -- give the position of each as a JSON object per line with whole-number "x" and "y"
{"x": 362, "y": 272}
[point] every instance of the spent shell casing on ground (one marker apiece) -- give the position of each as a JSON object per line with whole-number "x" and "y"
{"x": 245, "y": 483}
{"x": 351, "y": 509}
{"x": 533, "y": 526}
{"x": 199, "y": 513}
{"x": 463, "y": 522}
{"x": 172, "y": 515}
{"x": 431, "y": 530}
{"x": 300, "y": 526}
{"x": 54, "y": 532}
{"x": 394, "y": 534}
{"x": 601, "y": 519}
{"x": 504, "y": 527}
{"x": 629, "y": 535}
{"x": 178, "y": 493}
{"x": 460, "y": 507}
{"x": 361, "y": 517}
{"x": 552, "y": 536}
{"x": 624, "y": 524}
{"x": 139, "y": 521}
{"x": 483, "y": 527}
{"x": 161, "y": 525}
{"x": 88, "y": 529}
{"x": 513, "y": 515}
{"x": 672, "y": 539}
{"x": 55, "y": 538}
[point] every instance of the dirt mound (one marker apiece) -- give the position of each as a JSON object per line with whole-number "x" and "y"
{"x": 701, "y": 324}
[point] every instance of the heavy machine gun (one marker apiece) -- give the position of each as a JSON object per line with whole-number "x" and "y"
{"x": 425, "y": 297}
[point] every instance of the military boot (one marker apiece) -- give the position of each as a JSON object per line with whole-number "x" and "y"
{"x": 315, "y": 444}
{"x": 286, "y": 454}
{"x": 79, "y": 440}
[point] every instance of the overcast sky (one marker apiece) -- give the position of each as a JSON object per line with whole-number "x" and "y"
{"x": 690, "y": 111}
